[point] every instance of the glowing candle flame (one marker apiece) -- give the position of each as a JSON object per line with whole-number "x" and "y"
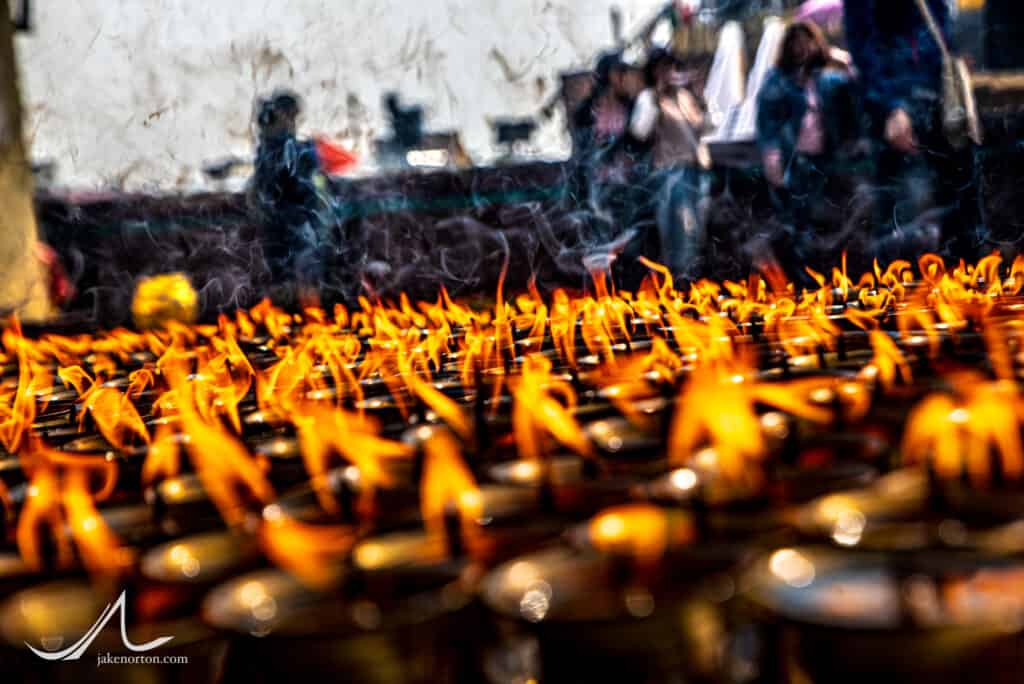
{"x": 230, "y": 476}
{"x": 959, "y": 435}
{"x": 163, "y": 458}
{"x": 641, "y": 531}
{"x": 448, "y": 482}
{"x": 543, "y": 406}
{"x": 327, "y": 432}
{"x": 703, "y": 335}
{"x": 313, "y": 553}
{"x": 716, "y": 409}
{"x": 719, "y": 412}
{"x": 59, "y": 491}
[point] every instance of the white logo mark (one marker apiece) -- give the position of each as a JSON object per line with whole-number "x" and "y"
{"x": 75, "y": 651}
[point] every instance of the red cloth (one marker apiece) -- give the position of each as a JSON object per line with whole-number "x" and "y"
{"x": 334, "y": 159}
{"x": 684, "y": 12}
{"x": 61, "y": 288}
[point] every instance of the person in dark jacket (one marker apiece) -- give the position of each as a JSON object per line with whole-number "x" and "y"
{"x": 288, "y": 192}
{"x": 806, "y": 121}
{"x": 900, "y": 65}
{"x": 602, "y": 120}
{"x": 609, "y": 160}
{"x": 919, "y": 173}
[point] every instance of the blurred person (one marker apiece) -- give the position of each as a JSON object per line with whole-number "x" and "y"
{"x": 670, "y": 117}
{"x": 602, "y": 119}
{"x": 901, "y": 69}
{"x": 609, "y": 159}
{"x": 289, "y": 193}
{"x": 901, "y": 65}
{"x": 807, "y": 130}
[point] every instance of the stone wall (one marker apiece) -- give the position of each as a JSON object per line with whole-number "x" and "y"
{"x": 138, "y": 95}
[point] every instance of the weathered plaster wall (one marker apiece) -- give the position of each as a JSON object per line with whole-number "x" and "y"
{"x": 139, "y": 93}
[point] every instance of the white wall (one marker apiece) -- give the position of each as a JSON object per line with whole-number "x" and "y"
{"x": 139, "y": 93}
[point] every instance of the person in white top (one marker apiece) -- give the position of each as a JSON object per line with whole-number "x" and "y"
{"x": 671, "y": 119}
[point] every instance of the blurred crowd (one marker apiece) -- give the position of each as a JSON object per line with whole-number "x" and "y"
{"x": 851, "y": 142}
{"x": 853, "y": 152}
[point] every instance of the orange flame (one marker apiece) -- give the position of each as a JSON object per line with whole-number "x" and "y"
{"x": 888, "y": 362}
{"x": 627, "y": 381}
{"x": 229, "y": 474}
{"x": 324, "y": 432}
{"x": 59, "y": 489}
{"x": 641, "y": 531}
{"x": 448, "y": 482}
{"x": 313, "y": 553}
{"x": 116, "y": 417}
{"x": 204, "y": 376}
{"x": 163, "y": 458}
{"x": 958, "y": 435}
{"x": 717, "y": 409}
{"x": 543, "y": 406}
{"x": 16, "y": 419}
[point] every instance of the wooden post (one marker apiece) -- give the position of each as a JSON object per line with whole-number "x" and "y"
{"x": 23, "y": 286}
